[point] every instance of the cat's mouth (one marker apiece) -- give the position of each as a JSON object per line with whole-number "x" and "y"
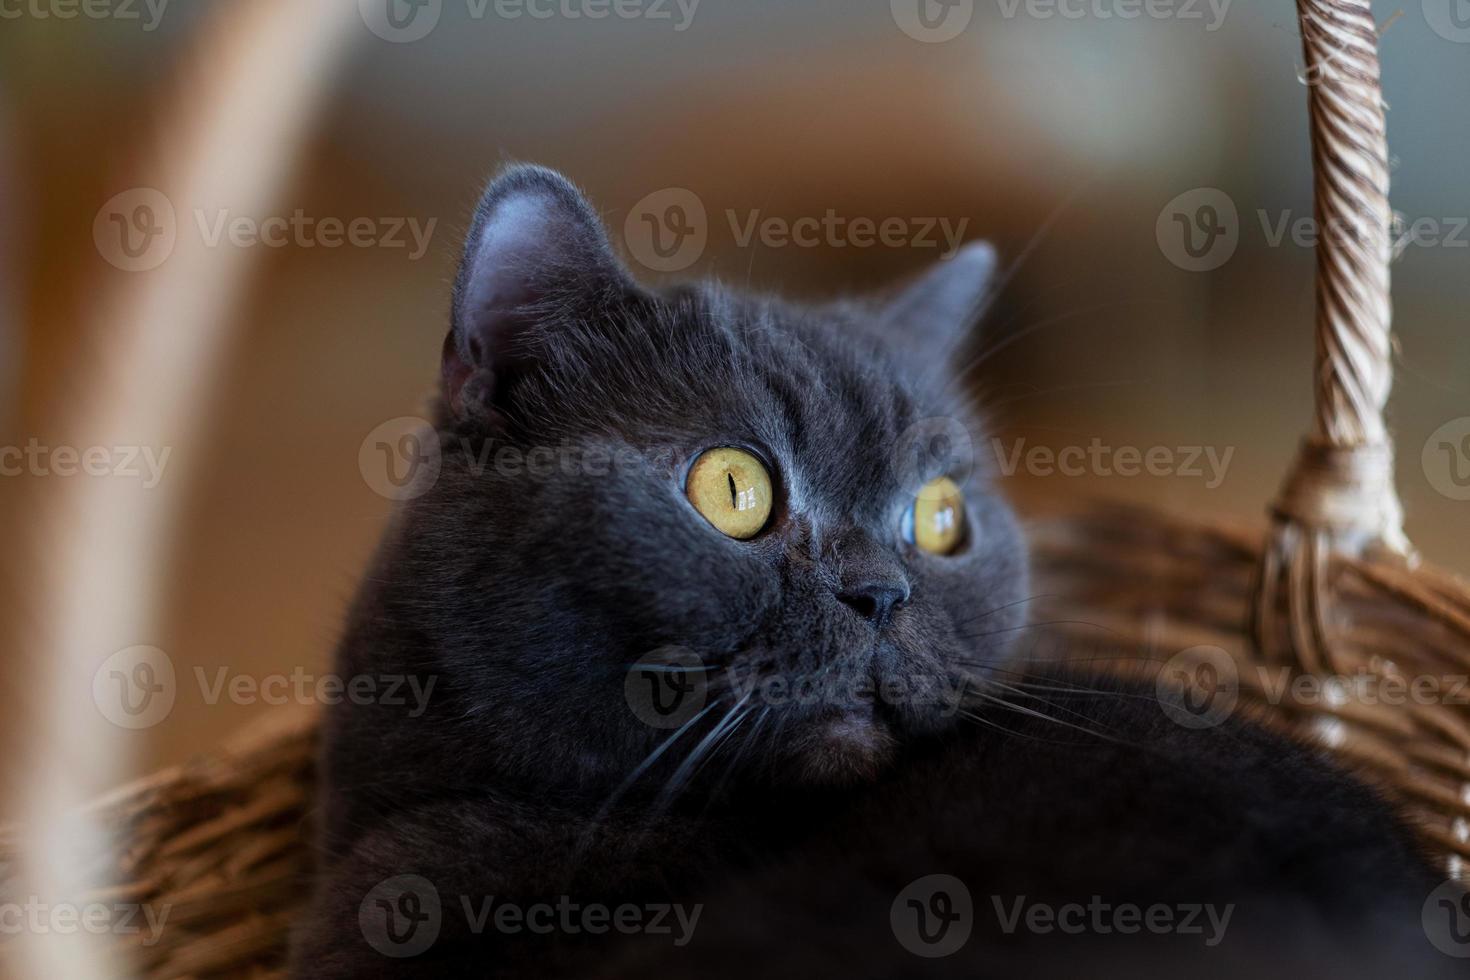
{"x": 850, "y": 745}
{"x": 843, "y": 716}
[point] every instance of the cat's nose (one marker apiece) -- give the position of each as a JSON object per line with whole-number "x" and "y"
{"x": 869, "y": 577}
{"x": 875, "y": 600}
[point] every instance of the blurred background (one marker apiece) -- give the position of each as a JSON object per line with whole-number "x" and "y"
{"x": 1145, "y": 178}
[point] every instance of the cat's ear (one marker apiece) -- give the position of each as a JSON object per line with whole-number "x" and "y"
{"x": 536, "y": 249}
{"x": 935, "y": 312}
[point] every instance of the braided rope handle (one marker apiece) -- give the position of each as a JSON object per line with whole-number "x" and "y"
{"x": 1339, "y": 495}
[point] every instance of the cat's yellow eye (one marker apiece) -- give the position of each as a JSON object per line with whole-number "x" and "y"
{"x": 935, "y": 521}
{"x": 732, "y": 489}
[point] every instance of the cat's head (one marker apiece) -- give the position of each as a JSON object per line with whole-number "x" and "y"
{"x": 734, "y": 527}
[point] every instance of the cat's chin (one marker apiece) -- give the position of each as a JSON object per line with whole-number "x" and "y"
{"x": 852, "y": 747}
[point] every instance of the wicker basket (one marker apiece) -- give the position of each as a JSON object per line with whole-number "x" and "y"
{"x": 1330, "y": 591}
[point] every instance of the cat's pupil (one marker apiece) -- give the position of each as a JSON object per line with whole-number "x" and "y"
{"x": 734, "y": 495}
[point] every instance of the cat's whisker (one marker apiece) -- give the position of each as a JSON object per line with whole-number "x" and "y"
{"x": 686, "y": 768}
{"x": 695, "y": 762}
{"x": 740, "y": 754}
{"x": 1024, "y": 693}
{"x": 986, "y": 722}
{"x": 720, "y": 742}
{"x": 588, "y": 838}
{"x": 1022, "y": 680}
{"x": 1032, "y": 626}
{"x": 1068, "y": 661}
{"x": 1005, "y": 606}
{"x": 648, "y": 763}
{"x": 1042, "y": 233}
{"x": 961, "y": 377}
{"x": 990, "y": 410}
{"x": 972, "y": 688}
{"x": 1041, "y": 715}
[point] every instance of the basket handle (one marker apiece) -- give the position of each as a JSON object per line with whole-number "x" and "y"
{"x": 1339, "y": 495}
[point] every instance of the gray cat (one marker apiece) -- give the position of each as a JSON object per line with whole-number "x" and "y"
{"x": 720, "y": 617}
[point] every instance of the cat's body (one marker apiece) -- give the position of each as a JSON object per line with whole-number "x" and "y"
{"x": 838, "y": 662}
{"x": 1159, "y": 851}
